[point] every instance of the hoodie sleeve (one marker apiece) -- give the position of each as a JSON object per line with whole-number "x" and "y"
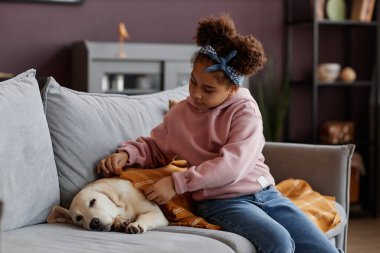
{"x": 148, "y": 151}
{"x": 237, "y": 158}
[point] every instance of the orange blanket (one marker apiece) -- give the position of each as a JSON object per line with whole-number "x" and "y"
{"x": 320, "y": 209}
{"x": 180, "y": 210}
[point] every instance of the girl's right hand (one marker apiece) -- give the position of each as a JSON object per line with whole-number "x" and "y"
{"x": 112, "y": 164}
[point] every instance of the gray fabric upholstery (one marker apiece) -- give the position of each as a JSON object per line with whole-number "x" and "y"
{"x": 28, "y": 176}
{"x": 325, "y": 167}
{"x": 86, "y": 127}
{"x": 332, "y": 233}
{"x": 58, "y": 238}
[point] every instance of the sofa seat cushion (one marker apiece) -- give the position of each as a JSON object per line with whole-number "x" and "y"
{"x": 28, "y": 175}
{"x": 86, "y": 127}
{"x": 57, "y": 238}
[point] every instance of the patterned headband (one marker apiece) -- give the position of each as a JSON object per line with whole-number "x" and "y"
{"x": 222, "y": 64}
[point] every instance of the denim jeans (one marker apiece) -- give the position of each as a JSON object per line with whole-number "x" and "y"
{"x": 269, "y": 220}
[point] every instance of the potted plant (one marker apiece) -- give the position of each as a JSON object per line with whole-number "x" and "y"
{"x": 273, "y": 101}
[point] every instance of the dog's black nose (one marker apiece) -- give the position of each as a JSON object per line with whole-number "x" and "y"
{"x": 95, "y": 224}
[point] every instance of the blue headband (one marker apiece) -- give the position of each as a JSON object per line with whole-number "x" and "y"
{"x": 222, "y": 64}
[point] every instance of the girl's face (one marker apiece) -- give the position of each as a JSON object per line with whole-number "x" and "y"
{"x": 205, "y": 90}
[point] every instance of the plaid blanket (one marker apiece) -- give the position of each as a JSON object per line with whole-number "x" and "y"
{"x": 180, "y": 210}
{"x": 319, "y": 208}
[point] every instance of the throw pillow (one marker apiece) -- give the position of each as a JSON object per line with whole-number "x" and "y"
{"x": 85, "y": 127}
{"x": 28, "y": 175}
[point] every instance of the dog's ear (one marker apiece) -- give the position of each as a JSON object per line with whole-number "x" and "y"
{"x": 59, "y": 215}
{"x": 172, "y": 103}
{"x": 111, "y": 194}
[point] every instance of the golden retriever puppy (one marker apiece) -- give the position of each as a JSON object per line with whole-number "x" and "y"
{"x": 111, "y": 204}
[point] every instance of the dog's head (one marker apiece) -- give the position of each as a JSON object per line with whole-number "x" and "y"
{"x": 92, "y": 208}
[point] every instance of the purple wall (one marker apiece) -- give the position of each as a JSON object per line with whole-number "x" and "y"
{"x": 40, "y": 35}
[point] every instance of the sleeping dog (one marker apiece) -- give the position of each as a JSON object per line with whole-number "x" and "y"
{"x": 111, "y": 204}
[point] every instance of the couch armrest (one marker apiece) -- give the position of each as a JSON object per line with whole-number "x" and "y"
{"x": 325, "y": 167}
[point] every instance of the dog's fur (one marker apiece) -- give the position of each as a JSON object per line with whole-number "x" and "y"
{"x": 111, "y": 204}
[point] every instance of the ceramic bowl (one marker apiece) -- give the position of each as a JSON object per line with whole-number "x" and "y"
{"x": 328, "y": 72}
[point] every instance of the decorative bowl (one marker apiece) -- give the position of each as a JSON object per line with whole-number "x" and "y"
{"x": 328, "y": 72}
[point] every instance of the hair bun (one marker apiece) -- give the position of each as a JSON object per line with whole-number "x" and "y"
{"x": 215, "y": 31}
{"x": 251, "y": 58}
{"x": 220, "y": 33}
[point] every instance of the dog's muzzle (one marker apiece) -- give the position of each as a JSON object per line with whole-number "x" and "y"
{"x": 95, "y": 224}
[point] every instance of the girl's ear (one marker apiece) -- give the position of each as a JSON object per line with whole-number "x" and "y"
{"x": 233, "y": 89}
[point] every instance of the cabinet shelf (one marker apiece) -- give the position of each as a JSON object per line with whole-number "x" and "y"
{"x": 347, "y": 23}
{"x": 343, "y": 84}
{"x": 358, "y": 83}
{"x": 326, "y": 22}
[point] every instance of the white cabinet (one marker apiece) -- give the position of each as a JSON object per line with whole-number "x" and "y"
{"x": 146, "y": 67}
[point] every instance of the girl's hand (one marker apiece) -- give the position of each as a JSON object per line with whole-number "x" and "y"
{"x": 162, "y": 191}
{"x": 112, "y": 164}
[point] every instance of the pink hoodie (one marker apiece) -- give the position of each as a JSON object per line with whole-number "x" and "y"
{"x": 223, "y": 147}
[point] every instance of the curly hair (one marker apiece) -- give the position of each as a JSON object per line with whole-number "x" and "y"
{"x": 220, "y": 33}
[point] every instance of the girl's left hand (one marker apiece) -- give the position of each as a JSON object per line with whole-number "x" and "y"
{"x": 162, "y": 191}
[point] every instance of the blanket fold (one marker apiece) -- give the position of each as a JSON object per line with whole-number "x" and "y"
{"x": 181, "y": 209}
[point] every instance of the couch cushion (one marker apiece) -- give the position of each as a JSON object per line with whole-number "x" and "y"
{"x": 28, "y": 175}
{"x": 58, "y": 238}
{"x": 86, "y": 127}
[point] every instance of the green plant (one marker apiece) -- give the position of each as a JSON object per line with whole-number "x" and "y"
{"x": 273, "y": 101}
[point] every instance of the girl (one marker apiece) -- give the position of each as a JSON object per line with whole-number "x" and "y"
{"x": 218, "y": 130}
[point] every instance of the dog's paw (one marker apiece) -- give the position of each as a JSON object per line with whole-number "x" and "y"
{"x": 135, "y": 228}
{"x": 121, "y": 224}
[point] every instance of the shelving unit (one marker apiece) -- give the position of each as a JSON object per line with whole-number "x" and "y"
{"x": 312, "y": 41}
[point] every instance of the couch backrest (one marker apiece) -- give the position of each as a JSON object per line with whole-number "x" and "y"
{"x": 28, "y": 175}
{"x": 85, "y": 127}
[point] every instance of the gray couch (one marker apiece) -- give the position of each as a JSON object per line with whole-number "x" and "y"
{"x": 49, "y": 148}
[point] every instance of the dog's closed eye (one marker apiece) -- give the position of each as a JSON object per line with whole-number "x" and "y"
{"x": 92, "y": 202}
{"x": 79, "y": 218}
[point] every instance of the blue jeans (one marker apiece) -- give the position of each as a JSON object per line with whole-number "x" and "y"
{"x": 267, "y": 219}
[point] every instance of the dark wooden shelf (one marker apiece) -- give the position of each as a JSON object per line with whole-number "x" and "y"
{"x": 344, "y": 84}
{"x": 326, "y": 22}
{"x": 346, "y": 23}
{"x": 356, "y": 44}
{"x": 359, "y": 83}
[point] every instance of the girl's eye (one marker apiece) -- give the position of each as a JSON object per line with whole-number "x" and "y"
{"x": 208, "y": 91}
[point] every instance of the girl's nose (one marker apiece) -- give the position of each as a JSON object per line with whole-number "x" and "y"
{"x": 197, "y": 94}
